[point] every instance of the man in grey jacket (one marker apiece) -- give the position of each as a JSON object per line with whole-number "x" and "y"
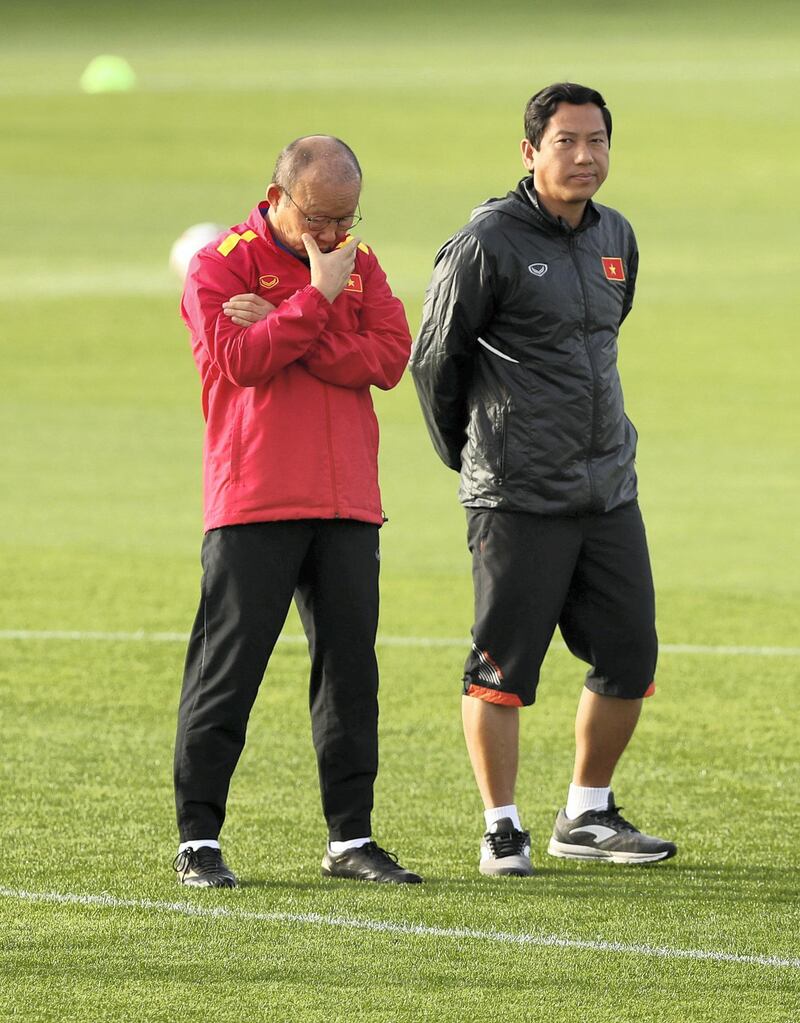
{"x": 516, "y": 370}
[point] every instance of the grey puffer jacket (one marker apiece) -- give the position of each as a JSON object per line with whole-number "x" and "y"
{"x": 516, "y": 360}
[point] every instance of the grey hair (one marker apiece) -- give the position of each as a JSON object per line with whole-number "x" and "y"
{"x": 299, "y": 155}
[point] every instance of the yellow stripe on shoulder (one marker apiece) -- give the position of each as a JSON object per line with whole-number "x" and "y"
{"x": 361, "y": 246}
{"x": 227, "y": 245}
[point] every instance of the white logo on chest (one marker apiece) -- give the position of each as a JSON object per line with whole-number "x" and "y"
{"x": 538, "y": 269}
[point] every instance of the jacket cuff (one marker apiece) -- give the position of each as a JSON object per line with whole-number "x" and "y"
{"x": 312, "y": 302}
{"x": 309, "y": 289}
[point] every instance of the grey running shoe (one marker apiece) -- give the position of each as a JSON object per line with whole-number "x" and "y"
{"x": 505, "y": 851}
{"x": 367, "y": 863}
{"x": 204, "y": 868}
{"x": 606, "y": 835}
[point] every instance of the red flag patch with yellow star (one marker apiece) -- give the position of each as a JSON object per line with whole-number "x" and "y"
{"x": 354, "y": 283}
{"x": 613, "y": 268}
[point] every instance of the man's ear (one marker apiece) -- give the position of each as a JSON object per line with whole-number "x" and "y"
{"x": 528, "y": 153}
{"x": 274, "y": 194}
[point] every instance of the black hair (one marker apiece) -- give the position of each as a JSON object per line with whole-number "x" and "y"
{"x": 541, "y": 107}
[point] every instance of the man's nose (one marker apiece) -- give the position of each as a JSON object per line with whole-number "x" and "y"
{"x": 583, "y": 153}
{"x": 327, "y": 236}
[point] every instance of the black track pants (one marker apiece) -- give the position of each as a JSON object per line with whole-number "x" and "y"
{"x": 250, "y": 574}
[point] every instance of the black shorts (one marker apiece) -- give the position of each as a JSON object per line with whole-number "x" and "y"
{"x": 588, "y": 574}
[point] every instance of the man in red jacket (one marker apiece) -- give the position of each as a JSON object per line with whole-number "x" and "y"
{"x": 292, "y": 321}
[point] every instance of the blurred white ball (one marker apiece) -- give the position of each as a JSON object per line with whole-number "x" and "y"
{"x": 192, "y": 239}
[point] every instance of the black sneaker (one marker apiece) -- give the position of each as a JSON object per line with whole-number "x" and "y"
{"x": 367, "y": 863}
{"x": 606, "y": 835}
{"x": 505, "y": 851}
{"x": 204, "y": 868}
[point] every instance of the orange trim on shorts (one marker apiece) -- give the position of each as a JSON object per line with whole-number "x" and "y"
{"x": 651, "y": 690}
{"x": 493, "y": 696}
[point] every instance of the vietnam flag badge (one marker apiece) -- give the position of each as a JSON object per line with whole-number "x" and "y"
{"x": 354, "y": 283}
{"x": 613, "y": 268}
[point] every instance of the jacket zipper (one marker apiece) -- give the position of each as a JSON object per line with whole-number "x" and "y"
{"x": 334, "y": 485}
{"x": 590, "y": 356}
{"x": 503, "y": 439}
{"x": 236, "y": 448}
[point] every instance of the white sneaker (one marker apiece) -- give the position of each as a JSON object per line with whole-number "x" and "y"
{"x": 505, "y": 851}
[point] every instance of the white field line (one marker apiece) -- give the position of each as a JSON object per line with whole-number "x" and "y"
{"x": 123, "y": 280}
{"x": 91, "y": 280}
{"x": 118, "y": 280}
{"x": 391, "y": 927}
{"x": 400, "y": 641}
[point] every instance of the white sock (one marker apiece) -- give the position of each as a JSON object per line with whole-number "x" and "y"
{"x": 581, "y": 799}
{"x": 351, "y": 843}
{"x": 199, "y": 843}
{"x": 497, "y": 813}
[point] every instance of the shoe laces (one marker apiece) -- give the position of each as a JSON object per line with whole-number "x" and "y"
{"x": 614, "y": 819}
{"x": 507, "y": 843}
{"x": 374, "y": 851}
{"x": 206, "y": 858}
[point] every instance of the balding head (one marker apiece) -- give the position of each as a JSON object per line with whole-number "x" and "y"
{"x": 321, "y": 156}
{"x": 315, "y": 188}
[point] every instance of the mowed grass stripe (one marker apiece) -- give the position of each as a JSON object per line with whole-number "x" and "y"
{"x": 425, "y": 74}
{"x": 400, "y": 641}
{"x": 409, "y": 929}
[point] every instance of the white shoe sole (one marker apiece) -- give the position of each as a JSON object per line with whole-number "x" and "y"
{"x": 508, "y": 866}
{"x": 584, "y": 852}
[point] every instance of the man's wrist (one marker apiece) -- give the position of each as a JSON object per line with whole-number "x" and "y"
{"x": 318, "y": 291}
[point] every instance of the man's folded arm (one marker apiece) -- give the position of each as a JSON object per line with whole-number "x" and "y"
{"x": 252, "y": 355}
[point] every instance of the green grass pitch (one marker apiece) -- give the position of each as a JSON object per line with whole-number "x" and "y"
{"x": 101, "y": 524}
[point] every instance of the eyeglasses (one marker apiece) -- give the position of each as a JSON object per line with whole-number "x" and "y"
{"x": 317, "y": 224}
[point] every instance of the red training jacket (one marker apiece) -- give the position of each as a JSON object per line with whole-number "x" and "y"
{"x": 290, "y": 428}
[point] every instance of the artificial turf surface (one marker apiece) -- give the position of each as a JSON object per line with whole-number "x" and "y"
{"x": 101, "y": 524}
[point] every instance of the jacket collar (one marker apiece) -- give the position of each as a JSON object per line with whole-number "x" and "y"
{"x": 526, "y": 193}
{"x": 258, "y": 221}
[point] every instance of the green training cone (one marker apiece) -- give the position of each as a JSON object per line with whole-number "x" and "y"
{"x": 108, "y": 74}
